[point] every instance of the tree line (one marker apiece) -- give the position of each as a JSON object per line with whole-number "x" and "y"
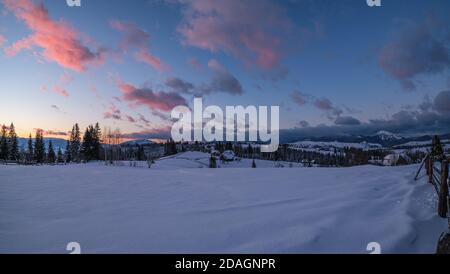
{"x": 78, "y": 149}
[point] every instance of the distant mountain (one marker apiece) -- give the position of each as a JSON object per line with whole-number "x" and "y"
{"x": 388, "y": 136}
{"x": 384, "y": 138}
{"x": 57, "y": 143}
{"x": 141, "y": 142}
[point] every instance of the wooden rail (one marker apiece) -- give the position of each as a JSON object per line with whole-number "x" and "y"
{"x": 437, "y": 170}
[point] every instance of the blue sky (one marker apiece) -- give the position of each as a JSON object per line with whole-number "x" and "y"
{"x": 322, "y": 61}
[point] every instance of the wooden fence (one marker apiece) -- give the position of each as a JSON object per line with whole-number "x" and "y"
{"x": 436, "y": 164}
{"x": 437, "y": 170}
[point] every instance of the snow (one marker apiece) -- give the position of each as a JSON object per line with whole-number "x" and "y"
{"x": 386, "y": 135}
{"x": 176, "y": 207}
{"x": 421, "y": 143}
{"x": 331, "y": 145}
{"x": 228, "y": 155}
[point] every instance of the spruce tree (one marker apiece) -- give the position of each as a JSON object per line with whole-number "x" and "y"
{"x": 60, "y": 157}
{"x": 30, "y": 152}
{"x": 51, "y": 153}
{"x": 87, "y": 145}
{"x": 212, "y": 162}
{"x": 4, "y": 146}
{"x": 13, "y": 144}
{"x": 68, "y": 152}
{"x": 97, "y": 142}
{"x": 39, "y": 147}
{"x": 75, "y": 143}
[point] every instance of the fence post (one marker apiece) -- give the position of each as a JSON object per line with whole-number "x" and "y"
{"x": 430, "y": 170}
{"x": 427, "y": 165}
{"x": 443, "y": 192}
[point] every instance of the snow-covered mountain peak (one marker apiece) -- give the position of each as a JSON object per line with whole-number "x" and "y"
{"x": 386, "y": 135}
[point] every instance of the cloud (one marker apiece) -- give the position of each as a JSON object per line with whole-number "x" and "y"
{"x": 221, "y": 81}
{"x": 326, "y": 105}
{"x": 60, "y": 42}
{"x": 299, "y": 98}
{"x": 250, "y": 30}
{"x": 416, "y": 49}
{"x": 144, "y": 120}
{"x": 57, "y": 109}
{"x": 154, "y": 133}
{"x": 193, "y": 62}
{"x": 179, "y": 85}
{"x": 130, "y": 119}
{"x": 146, "y": 57}
{"x": 303, "y": 123}
{"x": 51, "y": 132}
{"x": 163, "y": 101}
{"x": 136, "y": 38}
{"x": 2, "y": 40}
{"x": 346, "y": 121}
{"x": 442, "y": 102}
{"x": 433, "y": 119}
{"x": 61, "y": 91}
{"x": 113, "y": 113}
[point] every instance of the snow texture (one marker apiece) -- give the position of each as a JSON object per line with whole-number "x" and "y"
{"x": 177, "y": 207}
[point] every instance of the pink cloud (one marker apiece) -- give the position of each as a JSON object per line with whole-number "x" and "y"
{"x": 194, "y": 63}
{"x": 145, "y": 57}
{"x": 136, "y": 38}
{"x": 249, "y": 30}
{"x": 113, "y": 113}
{"x": 60, "y": 42}
{"x": 51, "y": 132}
{"x": 2, "y": 40}
{"x": 130, "y": 119}
{"x": 61, "y": 91}
{"x": 66, "y": 78}
{"x": 164, "y": 101}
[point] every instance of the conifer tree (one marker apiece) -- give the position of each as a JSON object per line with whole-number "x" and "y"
{"x": 87, "y": 146}
{"x": 68, "y": 152}
{"x": 30, "y": 151}
{"x": 212, "y": 162}
{"x": 4, "y": 146}
{"x": 60, "y": 157}
{"x": 13, "y": 144}
{"x": 51, "y": 153}
{"x": 75, "y": 143}
{"x": 39, "y": 147}
{"x": 97, "y": 142}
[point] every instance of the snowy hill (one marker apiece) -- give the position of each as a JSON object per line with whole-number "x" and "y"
{"x": 199, "y": 210}
{"x": 388, "y": 136}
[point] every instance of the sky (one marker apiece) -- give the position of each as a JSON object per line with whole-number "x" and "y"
{"x": 333, "y": 66}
